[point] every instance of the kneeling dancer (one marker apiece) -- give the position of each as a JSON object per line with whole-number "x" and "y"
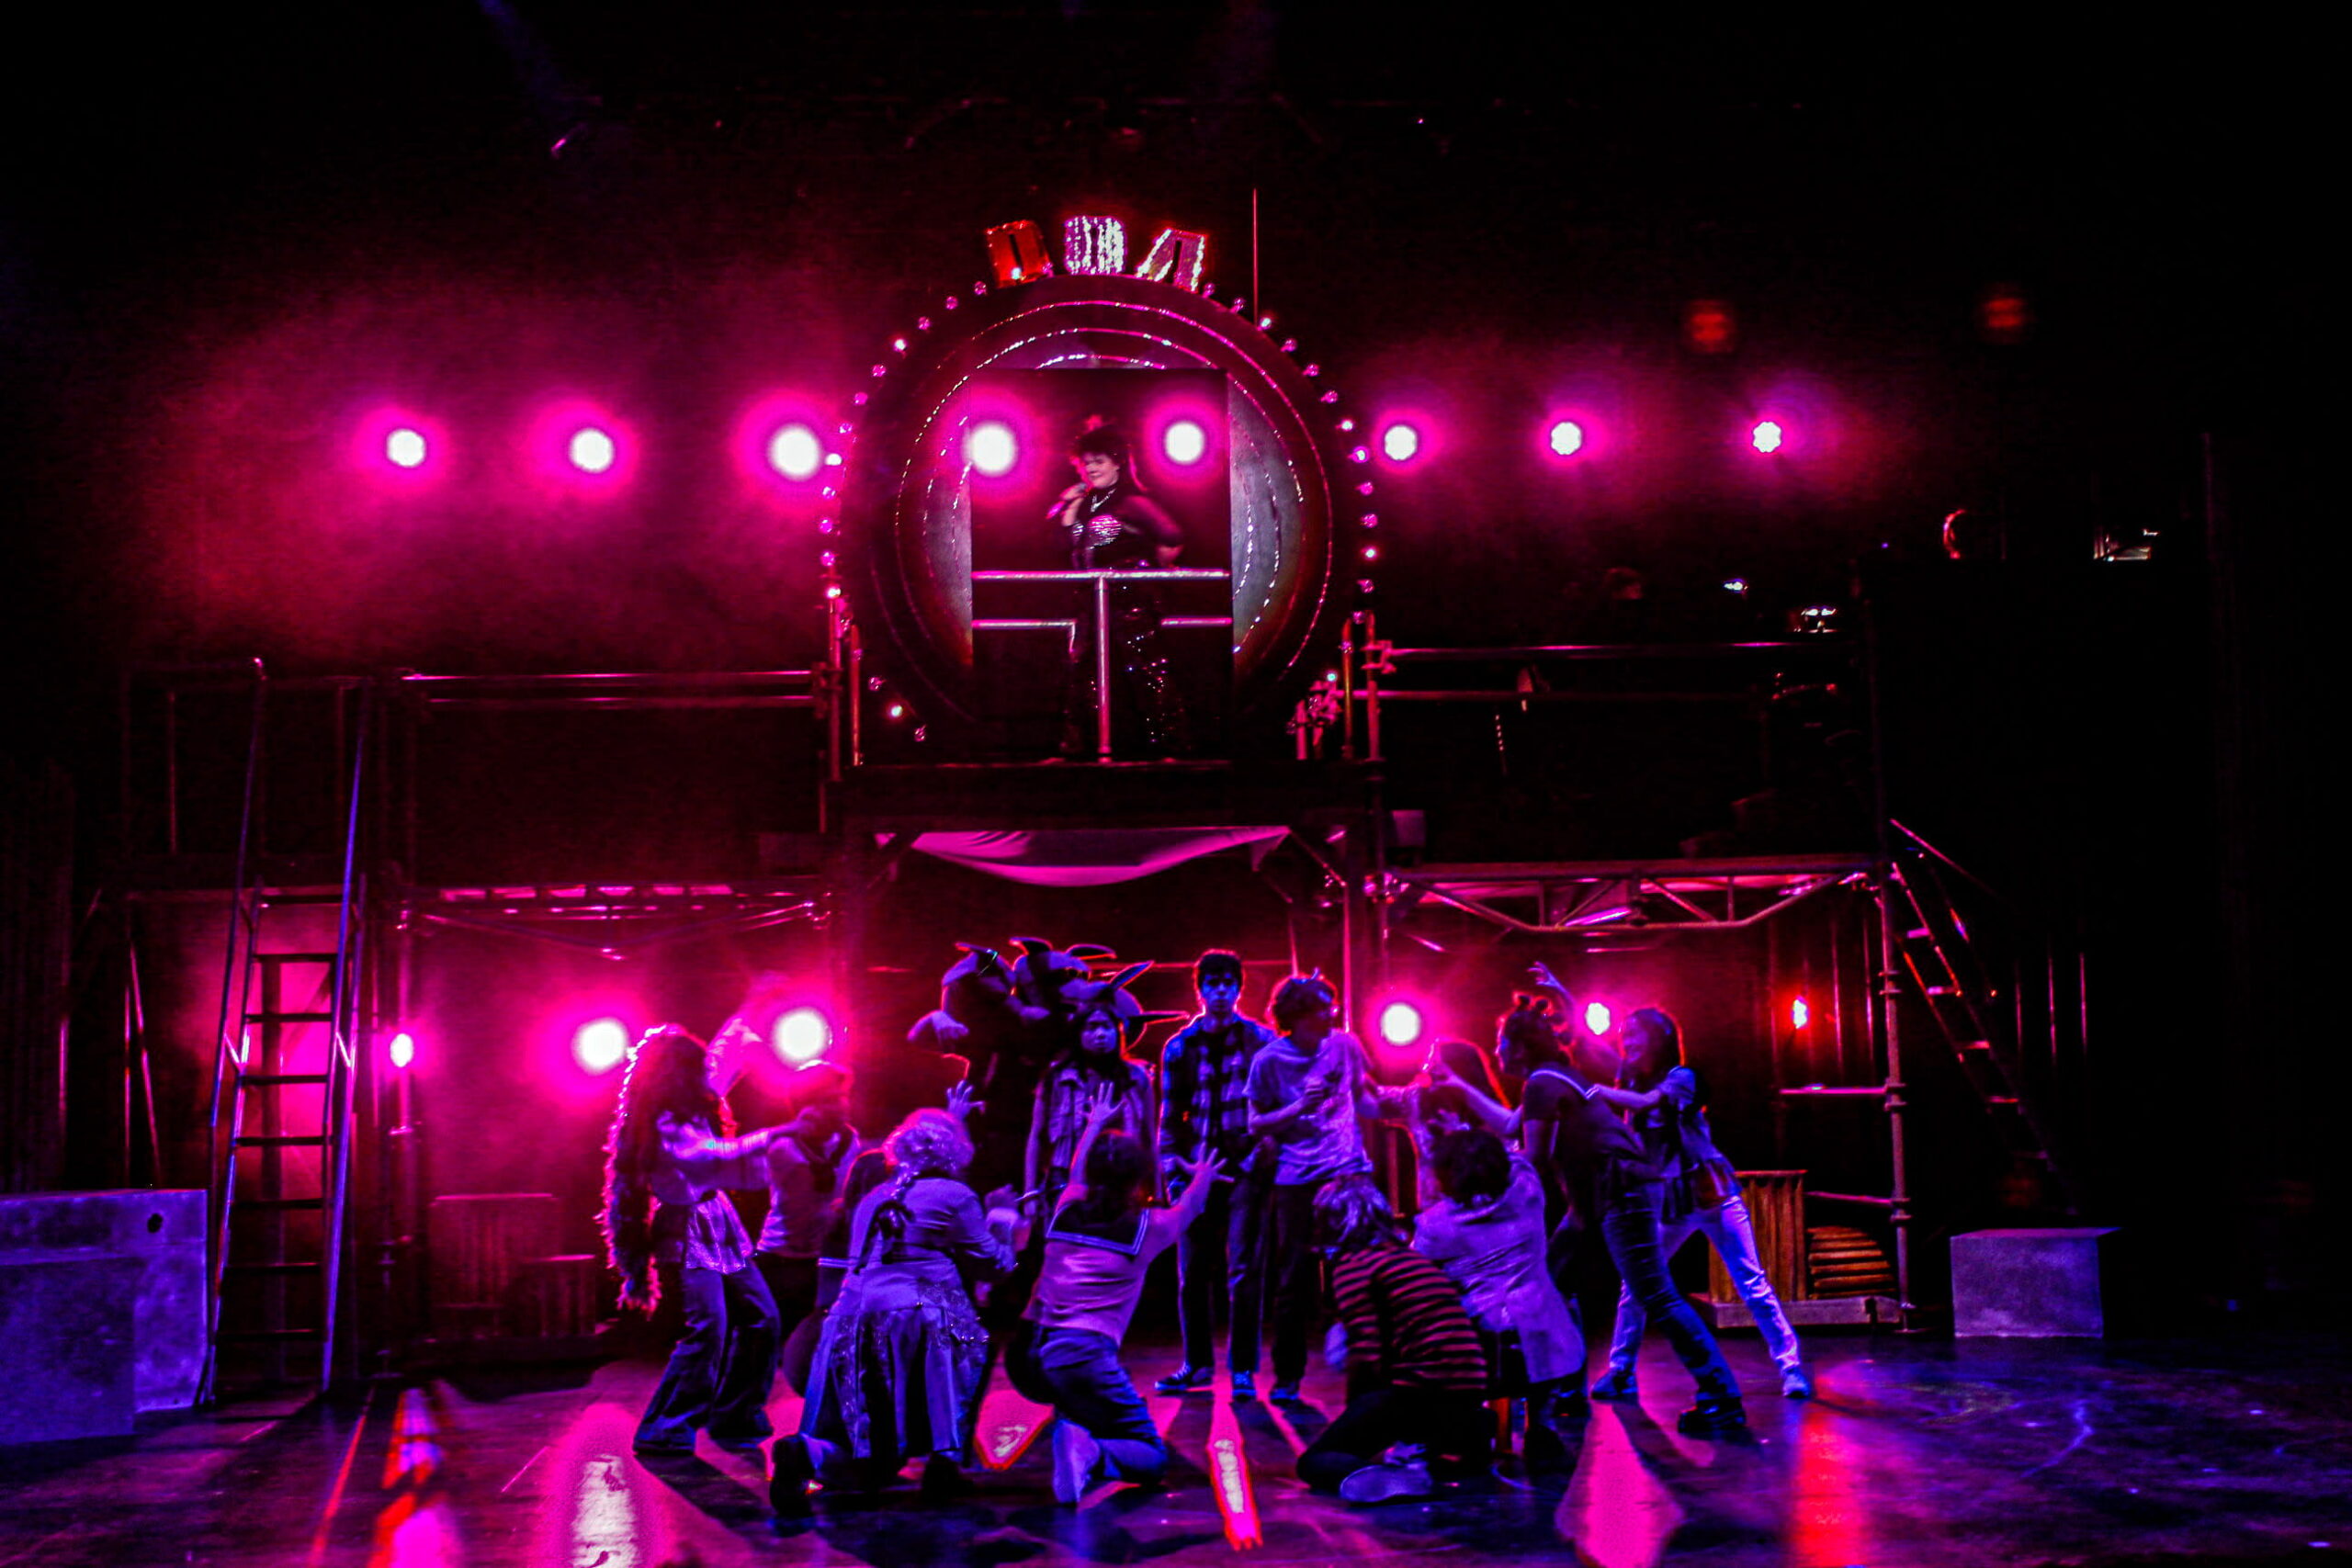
{"x": 1416, "y": 1372}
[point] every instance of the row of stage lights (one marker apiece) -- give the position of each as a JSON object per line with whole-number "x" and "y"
{"x": 1403, "y": 1024}
{"x": 595, "y": 451}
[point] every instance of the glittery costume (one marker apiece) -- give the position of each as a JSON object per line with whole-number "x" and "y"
{"x": 1122, "y": 529}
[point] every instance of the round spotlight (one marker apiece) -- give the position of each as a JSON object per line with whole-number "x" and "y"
{"x": 992, "y": 449}
{"x": 405, "y": 448}
{"x": 403, "y": 1050}
{"x": 794, "y": 452}
{"x": 1597, "y": 1017}
{"x": 592, "y": 450}
{"x": 1566, "y": 438}
{"x": 1768, "y": 436}
{"x": 602, "y": 1045}
{"x": 1401, "y": 1023}
{"x": 1185, "y": 443}
{"x": 1799, "y": 1014}
{"x": 801, "y": 1035}
{"x": 1400, "y": 443}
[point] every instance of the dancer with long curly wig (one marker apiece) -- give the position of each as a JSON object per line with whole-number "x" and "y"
{"x": 670, "y": 1159}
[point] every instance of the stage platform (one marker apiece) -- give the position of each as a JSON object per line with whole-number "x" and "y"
{"x": 1915, "y": 1453}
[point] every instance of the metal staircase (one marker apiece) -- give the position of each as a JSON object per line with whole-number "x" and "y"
{"x": 1945, "y": 965}
{"x": 284, "y": 1066}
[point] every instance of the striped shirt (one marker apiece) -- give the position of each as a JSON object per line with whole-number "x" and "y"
{"x": 1406, "y": 1323}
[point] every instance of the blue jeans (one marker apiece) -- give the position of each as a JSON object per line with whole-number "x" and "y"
{"x": 722, "y": 1366}
{"x": 1222, "y": 1255}
{"x": 1726, "y": 1225}
{"x": 1090, "y": 1389}
{"x": 1629, "y": 1226}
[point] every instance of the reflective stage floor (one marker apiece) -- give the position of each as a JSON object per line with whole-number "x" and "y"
{"x": 1914, "y": 1452}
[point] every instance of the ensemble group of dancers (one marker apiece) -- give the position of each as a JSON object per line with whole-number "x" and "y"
{"x": 885, "y": 1286}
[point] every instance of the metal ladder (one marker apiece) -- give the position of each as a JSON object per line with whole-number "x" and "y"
{"x": 1942, "y": 961}
{"x": 289, "y": 1029}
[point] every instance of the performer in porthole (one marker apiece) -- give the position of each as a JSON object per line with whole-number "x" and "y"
{"x": 1109, "y": 523}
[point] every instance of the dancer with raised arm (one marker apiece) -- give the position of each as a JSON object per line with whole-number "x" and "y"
{"x": 669, "y": 1162}
{"x": 1205, "y": 1111}
{"x": 1701, "y": 1194}
{"x": 807, "y": 1165}
{"x": 1100, "y": 1240}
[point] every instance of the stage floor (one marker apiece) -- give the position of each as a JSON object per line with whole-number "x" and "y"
{"x": 1916, "y": 1452}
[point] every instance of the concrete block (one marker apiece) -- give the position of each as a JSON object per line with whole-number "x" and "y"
{"x": 2029, "y": 1284}
{"x": 162, "y": 1231}
{"x": 66, "y": 1368}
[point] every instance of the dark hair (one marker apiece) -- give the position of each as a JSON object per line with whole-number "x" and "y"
{"x": 1350, "y": 1214}
{"x": 1471, "y": 1064}
{"x": 1216, "y": 963}
{"x": 1528, "y": 1026}
{"x": 1471, "y": 1166}
{"x": 1301, "y": 994}
{"x": 1663, "y": 1055}
{"x": 1430, "y": 1098}
{"x": 668, "y": 1073}
{"x": 1100, "y": 438}
{"x": 1117, "y": 1166}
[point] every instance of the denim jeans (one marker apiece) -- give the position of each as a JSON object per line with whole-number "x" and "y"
{"x": 1629, "y": 1226}
{"x": 1457, "y": 1427}
{"x": 1221, "y": 1256}
{"x": 1090, "y": 1389}
{"x": 721, "y": 1368}
{"x": 1294, "y": 1276}
{"x": 1726, "y": 1225}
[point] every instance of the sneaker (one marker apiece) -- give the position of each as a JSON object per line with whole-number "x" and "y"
{"x": 1617, "y": 1385}
{"x": 1245, "y": 1388}
{"x": 1186, "y": 1380}
{"x": 1796, "y": 1383}
{"x": 1075, "y": 1457}
{"x": 788, "y": 1480}
{"x": 1284, "y": 1393}
{"x": 1387, "y": 1483}
{"x": 1713, "y": 1418}
{"x": 942, "y": 1478}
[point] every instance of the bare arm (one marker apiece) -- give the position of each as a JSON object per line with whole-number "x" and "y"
{"x": 1625, "y": 1099}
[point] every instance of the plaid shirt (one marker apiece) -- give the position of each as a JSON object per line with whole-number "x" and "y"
{"x": 1204, "y": 1084}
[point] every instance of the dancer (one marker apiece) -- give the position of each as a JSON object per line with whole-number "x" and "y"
{"x": 1101, "y": 1240}
{"x": 1566, "y": 1114}
{"x": 1308, "y": 1088}
{"x": 1416, "y": 1372}
{"x": 1205, "y": 1111}
{"x": 1111, "y": 524}
{"x": 1107, "y": 1020}
{"x": 671, "y": 1157}
{"x": 1488, "y": 1233}
{"x": 806, "y": 1166}
{"x": 903, "y": 1347}
{"x": 1701, "y": 1194}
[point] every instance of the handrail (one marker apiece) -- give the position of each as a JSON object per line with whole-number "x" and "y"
{"x": 1973, "y": 880}
{"x": 1603, "y": 650}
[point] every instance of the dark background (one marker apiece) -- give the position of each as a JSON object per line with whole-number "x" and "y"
{"x": 225, "y": 238}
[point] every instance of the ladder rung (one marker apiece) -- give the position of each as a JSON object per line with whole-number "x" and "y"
{"x": 269, "y": 898}
{"x": 327, "y": 957}
{"x": 272, "y": 1267}
{"x": 1943, "y": 990}
{"x": 272, "y": 1080}
{"x": 279, "y": 1203}
{"x": 2000, "y": 1099}
{"x": 289, "y": 1017}
{"x": 279, "y": 1140}
{"x": 1918, "y": 933}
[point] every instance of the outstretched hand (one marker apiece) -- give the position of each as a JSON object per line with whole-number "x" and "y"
{"x": 1101, "y": 1107}
{"x": 1204, "y": 1170}
{"x": 1545, "y": 978}
{"x": 960, "y": 1103}
{"x": 638, "y": 1297}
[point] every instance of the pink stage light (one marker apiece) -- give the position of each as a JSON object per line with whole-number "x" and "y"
{"x": 398, "y": 445}
{"x": 1401, "y": 1023}
{"x": 1597, "y": 1018}
{"x": 403, "y": 1050}
{"x": 1799, "y": 1014}
{"x": 406, "y": 447}
{"x": 601, "y": 1044}
{"x": 992, "y": 448}
{"x": 1400, "y": 443}
{"x": 1185, "y": 443}
{"x": 794, "y": 452}
{"x": 1566, "y": 438}
{"x": 800, "y": 1035}
{"x": 1769, "y": 436}
{"x": 592, "y": 450}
